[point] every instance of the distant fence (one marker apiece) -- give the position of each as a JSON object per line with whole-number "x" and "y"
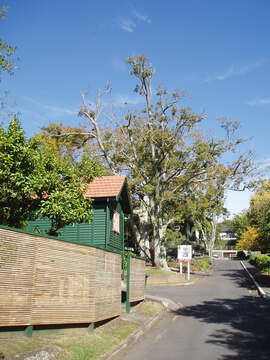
{"x": 224, "y": 254}
{"x": 44, "y": 281}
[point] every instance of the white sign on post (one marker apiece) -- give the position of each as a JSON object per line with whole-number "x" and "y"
{"x": 184, "y": 254}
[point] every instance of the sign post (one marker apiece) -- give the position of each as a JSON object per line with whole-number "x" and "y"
{"x": 185, "y": 254}
{"x": 188, "y": 271}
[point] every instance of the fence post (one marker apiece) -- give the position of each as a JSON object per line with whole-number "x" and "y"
{"x": 91, "y": 327}
{"x": 29, "y": 331}
{"x": 122, "y": 265}
{"x": 127, "y": 287}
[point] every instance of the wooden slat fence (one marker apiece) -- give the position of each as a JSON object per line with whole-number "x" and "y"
{"x": 137, "y": 279}
{"x": 45, "y": 281}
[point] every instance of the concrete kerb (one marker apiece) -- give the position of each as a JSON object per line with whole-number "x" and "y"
{"x": 258, "y": 287}
{"x": 167, "y": 303}
{"x": 135, "y": 336}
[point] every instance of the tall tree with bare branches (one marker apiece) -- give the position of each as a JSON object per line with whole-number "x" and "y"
{"x": 162, "y": 151}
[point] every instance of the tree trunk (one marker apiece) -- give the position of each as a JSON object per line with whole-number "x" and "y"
{"x": 210, "y": 242}
{"x": 141, "y": 237}
{"x": 159, "y": 246}
{"x": 163, "y": 252}
{"x": 205, "y": 240}
{"x": 213, "y": 236}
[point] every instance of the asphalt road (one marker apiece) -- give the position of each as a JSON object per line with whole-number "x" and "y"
{"x": 221, "y": 318}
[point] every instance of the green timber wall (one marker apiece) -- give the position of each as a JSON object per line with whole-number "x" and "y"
{"x": 98, "y": 233}
{"x": 115, "y": 241}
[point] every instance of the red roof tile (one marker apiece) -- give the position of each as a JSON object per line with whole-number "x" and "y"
{"x": 105, "y": 186}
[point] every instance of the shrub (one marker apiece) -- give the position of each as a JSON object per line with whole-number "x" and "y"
{"x": 262, "y": 262}
{"x": 241, "y": 255}
{"x": 249, "y": 239}
{"x": 202, "y": 264}
{"x": 126, "y": 254}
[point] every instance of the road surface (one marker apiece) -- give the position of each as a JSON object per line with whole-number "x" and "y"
{"x": 221, "y": 318}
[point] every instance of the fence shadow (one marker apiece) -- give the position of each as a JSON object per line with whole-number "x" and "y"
{"x": 249, "y": 319}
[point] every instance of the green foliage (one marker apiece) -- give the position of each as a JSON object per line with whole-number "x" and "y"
{"x": 249, "y": 240}
{"x": 125, "y": 257}
{"x": 259, "y": 214}
{"x": 174, "y": 237}
{"x": 204, "y": 264}
{"x": 241, "y": 255}
{"x": 7, "y": 61}
{"x": 253, "y": 226}
{"x": 239, "y": 224}
{"x": 262, "y": 261}
{"x": 39, "y": 183}
{"x": 18, "y": 161}
{"x": 62, "y": 139}
{"x": 224, "y": 244}
{"x": 173, "y": 168}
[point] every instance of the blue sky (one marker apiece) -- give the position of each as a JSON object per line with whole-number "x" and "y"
{"x": 217, "y": 51}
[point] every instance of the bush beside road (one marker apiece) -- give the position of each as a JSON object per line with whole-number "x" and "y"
{"x": 261, "y": 262}
{"x": 198, "y": 264}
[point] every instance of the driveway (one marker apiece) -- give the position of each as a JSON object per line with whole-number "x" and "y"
{"x": 220, "y": 317}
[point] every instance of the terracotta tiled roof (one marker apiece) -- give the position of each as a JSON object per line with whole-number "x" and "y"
{"x": 105, "y": 186}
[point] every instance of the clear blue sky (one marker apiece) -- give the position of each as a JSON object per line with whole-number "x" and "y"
{"x": 218, "y": 51}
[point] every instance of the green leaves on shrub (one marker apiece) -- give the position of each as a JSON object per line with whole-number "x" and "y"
{"x": 241, "y": 255}
{"x": 262, "y": 261}
{"x": 37, "y": 182}
{"x": 125, "y": 257}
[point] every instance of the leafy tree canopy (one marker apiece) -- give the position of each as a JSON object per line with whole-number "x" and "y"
{"x": 239, "y": 224}
{"x": 255, "y": 222}
{"x": 167, "y": 157}
{"x": 259, "y": 214}
{"x": 249, "y": 239}
{"x": 36, "y": 182}
{"x": 7, "y": 61}
{"x": 63, "y": 140}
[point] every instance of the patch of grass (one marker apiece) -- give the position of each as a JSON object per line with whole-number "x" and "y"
{"x": 161, "y": 277}
{"x": 77, "y": 345}
{"x": 20, "y": 344}
{"x": 152, "y": 271}
{"x": 149, "y": 308}
{"x": 92, "y": 346}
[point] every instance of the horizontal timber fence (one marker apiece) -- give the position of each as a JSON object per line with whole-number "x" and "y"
{"x": 46, "y": 282}
{"x": 135, "y": 281}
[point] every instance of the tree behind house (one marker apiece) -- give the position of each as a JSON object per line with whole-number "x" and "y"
{"x": 37, "y": 183}
{"x": 162, "y": 150}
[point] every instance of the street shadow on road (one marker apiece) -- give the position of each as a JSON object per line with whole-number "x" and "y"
{"x": 246, "y": 333}
{"x": 240, "y": 278}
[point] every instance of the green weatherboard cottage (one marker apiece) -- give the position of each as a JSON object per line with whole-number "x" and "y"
{"x": 110, "y": 204}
